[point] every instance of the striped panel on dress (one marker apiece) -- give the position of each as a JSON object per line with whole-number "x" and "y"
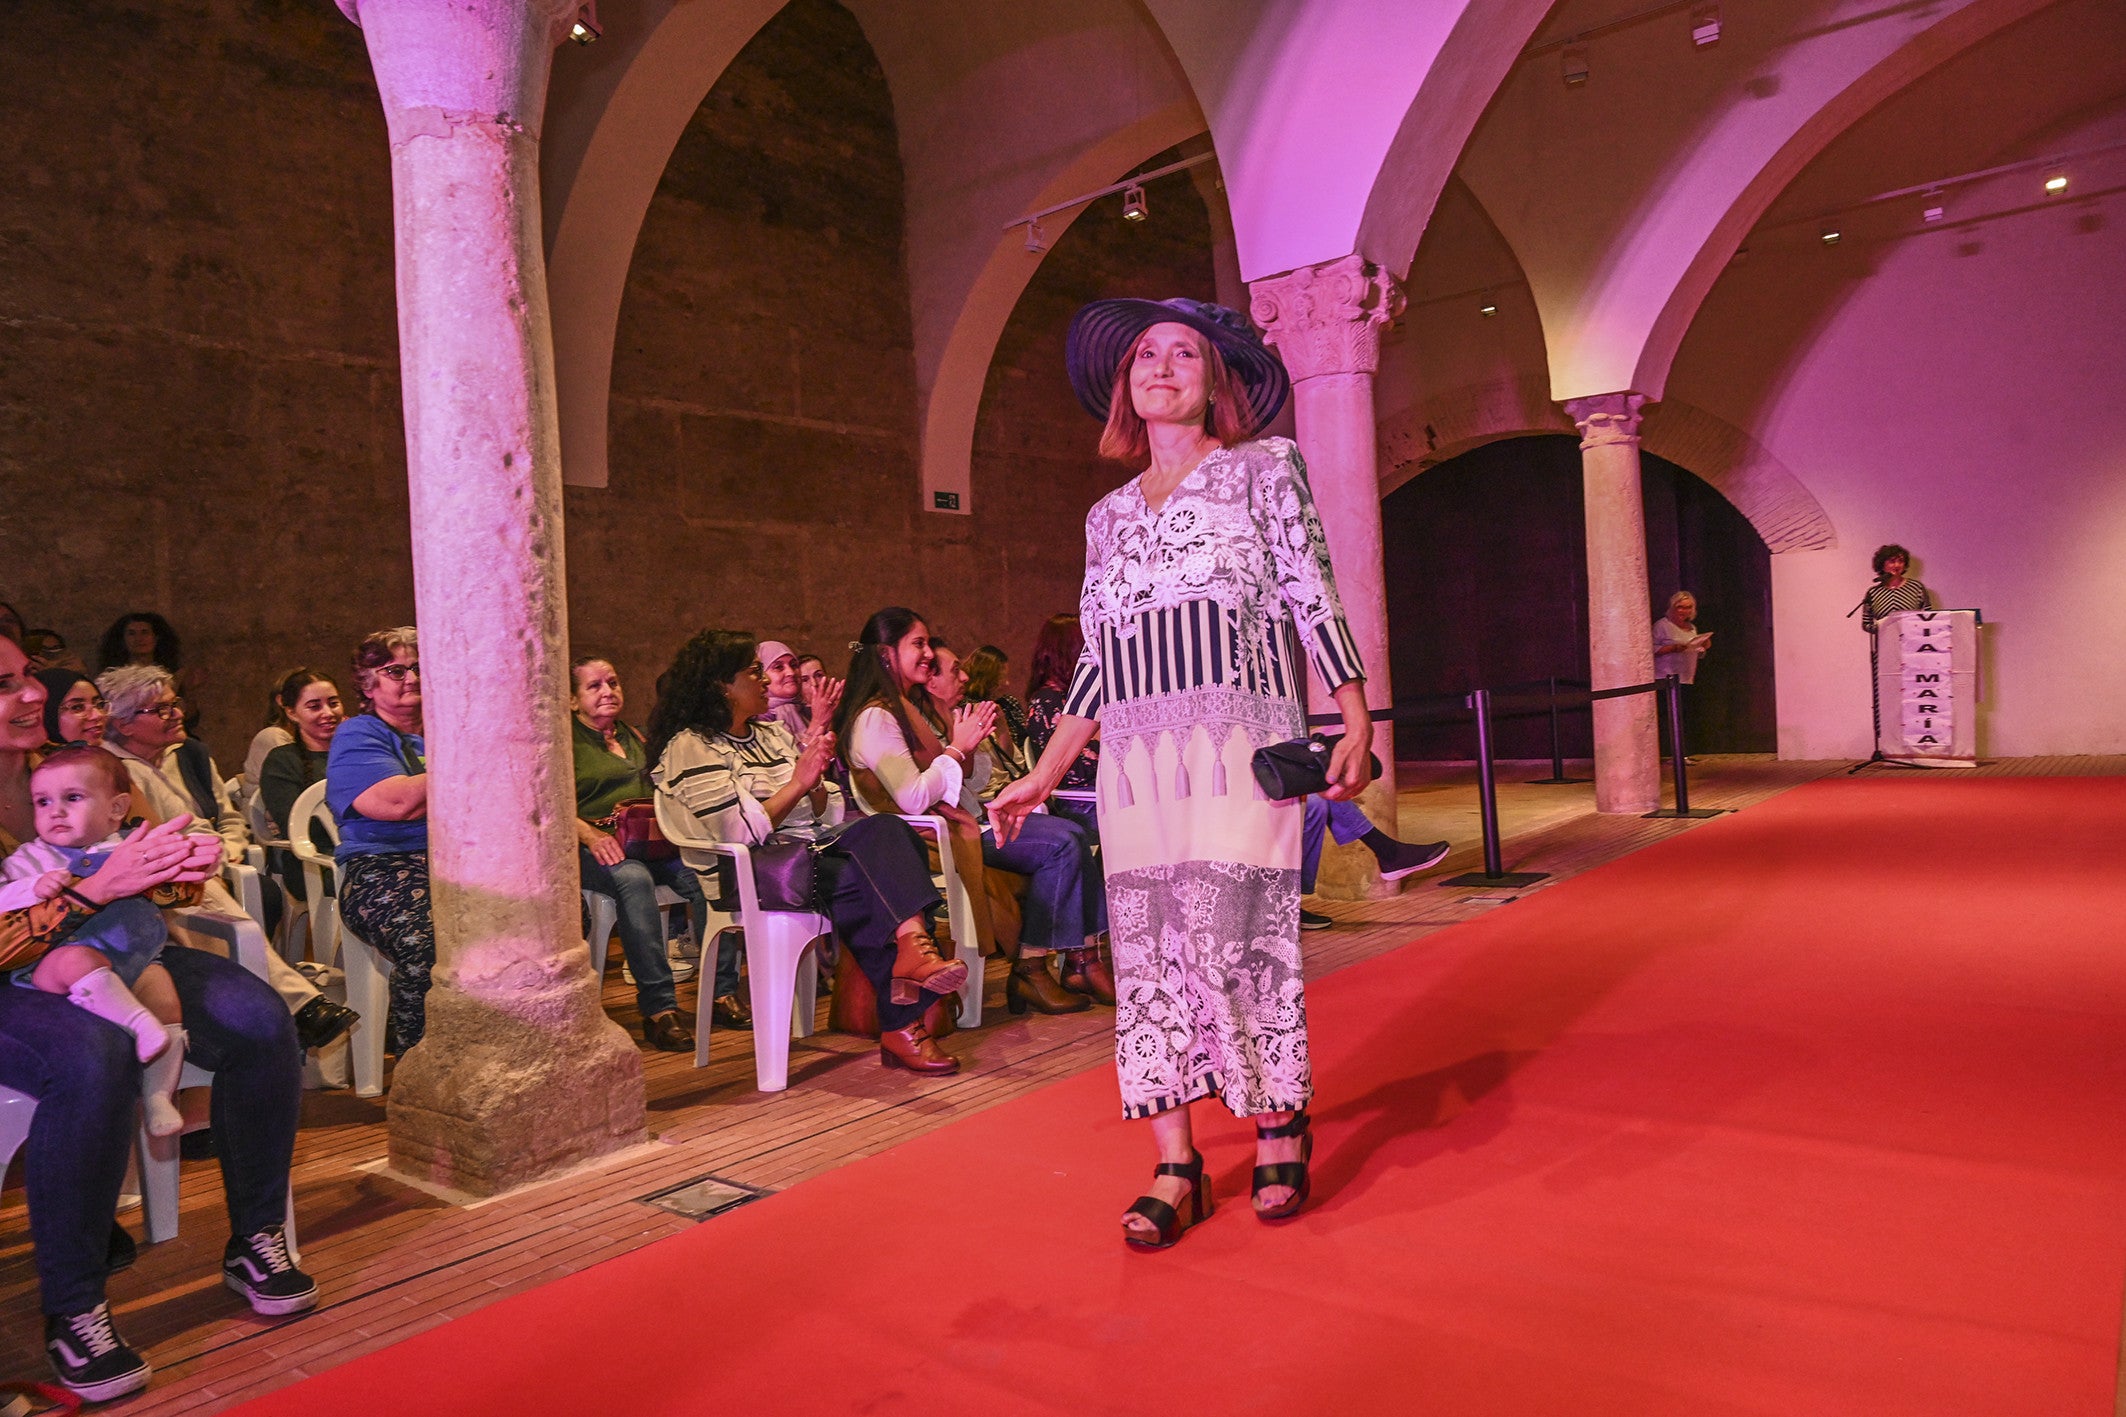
{"x": 1193, "y": 646}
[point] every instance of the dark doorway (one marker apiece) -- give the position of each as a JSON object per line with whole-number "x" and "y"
{"x": 1487, "y": 586}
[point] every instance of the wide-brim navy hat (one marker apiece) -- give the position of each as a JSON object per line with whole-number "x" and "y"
{"x": 1102, "y": 334}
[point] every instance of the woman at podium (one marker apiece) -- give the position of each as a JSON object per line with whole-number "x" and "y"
{"x": 1893, "y": 589}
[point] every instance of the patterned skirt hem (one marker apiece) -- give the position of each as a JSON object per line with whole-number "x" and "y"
{"x": 1208, "y": 1085}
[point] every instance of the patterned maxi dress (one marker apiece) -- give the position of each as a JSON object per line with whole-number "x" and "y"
{"x": 1191, "y": 662}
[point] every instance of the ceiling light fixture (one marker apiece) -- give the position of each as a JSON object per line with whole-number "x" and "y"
{"x": 1705, "y": 26}
{"x": 586, "y": 29}
{"x": 1036, "y": 239}
{"x": 1132, "y": 189}
{"x": 1487, "y": 310}
{"x": 1830, "y": 236}
{"x": 2055, "y": 182}
{"x": 1934, "y": 210}
{"x": 1133, "y": 206}
{"x": 1575, "y": 66}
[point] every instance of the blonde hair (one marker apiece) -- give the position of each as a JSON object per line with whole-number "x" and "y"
{"x": 1682, "y": 595}
{"x": 1126, "y": 440}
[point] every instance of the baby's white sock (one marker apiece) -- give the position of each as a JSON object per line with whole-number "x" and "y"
{"x": 105, "y": 995}
{"x": 159, "y": 1087}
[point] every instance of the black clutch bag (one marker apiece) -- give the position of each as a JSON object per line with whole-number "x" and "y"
{"x": 1294, "y": 769}
{"x": 785, "y": 874}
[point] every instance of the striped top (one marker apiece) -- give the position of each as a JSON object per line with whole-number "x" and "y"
{"x": 1219, "y": 587}
{"x": 722, "y": 781}
{"x": 1888, "y": 600}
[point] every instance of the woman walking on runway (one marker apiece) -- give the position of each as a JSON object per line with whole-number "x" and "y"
{"x": 1197, "y": 572}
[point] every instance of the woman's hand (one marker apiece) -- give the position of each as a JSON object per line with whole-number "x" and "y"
{"x": 1009, "y": 809}
{"x": 822, "y": 699}
{"x": 970, "y": 725}
{"x": 812, "y": 762}
{"x": 151, "y": 857}
{"x": 604, "y": 847}
{"x": 1351, "y": 763}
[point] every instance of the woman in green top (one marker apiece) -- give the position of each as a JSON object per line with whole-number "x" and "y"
{"x": 611, "y": 768}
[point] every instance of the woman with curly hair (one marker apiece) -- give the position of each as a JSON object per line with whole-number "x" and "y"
{"x": 737, "y": 778}
{"x": 142, "y": 637}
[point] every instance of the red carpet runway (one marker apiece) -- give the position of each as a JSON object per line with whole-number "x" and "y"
{"x": 1814, "y": 1109}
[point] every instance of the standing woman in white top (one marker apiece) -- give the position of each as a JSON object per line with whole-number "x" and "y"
{"x": 1678, "y": 644}
{"x": 1208, "y": 588}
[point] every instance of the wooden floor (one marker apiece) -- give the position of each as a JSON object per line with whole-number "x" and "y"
{"x": 392, "y": 1260}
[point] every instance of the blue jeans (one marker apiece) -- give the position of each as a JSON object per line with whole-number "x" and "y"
{"x": 1342, "y": 819}
{"x": 1067, "y": 899}
{"x": 632, "y": 885}
{"x": 86, "y": 1081}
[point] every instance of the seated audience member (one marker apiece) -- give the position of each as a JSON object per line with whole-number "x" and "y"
{"x": 612, "y": 767}
{"x": 376, "y": 783}
{"x": 12, "y": 627}
{"x": 1055, "y": 659}
{"x": 900, "y": 762}
{"x": 994, "y": 765}
{"x": 786, "y": 694}
{"x": 1001, "y": 759}
{"x": 1347, "y": 824}
{"x": 987, "y": 669}
{"x": 74, "y": 710}
{"x": 173, "y": 775}
{"x": 812, "y": 680}
{"x": 277, "y": 732}
{"x": 85, "y": 1076}
{"x": 747, "y": 780}
{"x": 108, "y": 965}
{"x": 311, "y": 704}
{"x": 141, "y": 638}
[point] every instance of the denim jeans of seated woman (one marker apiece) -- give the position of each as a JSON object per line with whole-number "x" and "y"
{"x": 632, "y": 886}
{"x": 1341, "y": 820}
{"x": 86, "y": 1081}
{"x": 1066, "y": 900}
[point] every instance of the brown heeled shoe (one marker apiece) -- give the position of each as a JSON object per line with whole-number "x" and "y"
{"x": 918, "y": 969}
{"x": 1031, "y": 986}
{"x": 1084, "y": 972}
{"x": 912, "y": 1049}
{"x": 942, "y": 1019}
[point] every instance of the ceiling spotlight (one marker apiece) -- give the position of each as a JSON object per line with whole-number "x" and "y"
{"x": 1830, "y": 237}
{"x": 1133, "y": 207}
{"x": 1487, "y": 311}
{"x": 2055, "y": 182}
{"x": 1705, "y": 25}
{"x": 1036, "y": 239}
{"x": 586, "y": 30}
{"x": 1935, "y": 209}
{"x": 1575, "y": 66}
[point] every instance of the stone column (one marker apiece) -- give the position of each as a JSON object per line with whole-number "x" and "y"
{"x": 1325, "y": 321}
{"x": 521, "y": 1073}
{"x": 1619, "y": 624}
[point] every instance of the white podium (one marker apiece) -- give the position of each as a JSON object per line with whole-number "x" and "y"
{"x": 1926, "y": 687}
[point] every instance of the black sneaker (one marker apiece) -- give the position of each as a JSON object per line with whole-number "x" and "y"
{"x": 1314, "y": 919}
{"x": 258, "y": 1268}
{"x": 90, "y": 1359}
{"x": 1408, "y": 859}
{"x": 321, "y": 1021}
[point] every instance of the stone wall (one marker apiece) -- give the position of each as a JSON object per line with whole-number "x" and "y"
{"x": 199, "y": 401}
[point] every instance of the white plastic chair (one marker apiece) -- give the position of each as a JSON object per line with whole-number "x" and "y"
{"x": 778, "y": 946}
{"x": 295, "y": 914}
{"x": 959, "y": 910}
{"x": 605, "y": 918}
{"x": 368, "y": 973}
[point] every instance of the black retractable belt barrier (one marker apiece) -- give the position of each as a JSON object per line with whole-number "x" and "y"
{"x": 1494, "y": 873}
{"x": 1672, "y": 689}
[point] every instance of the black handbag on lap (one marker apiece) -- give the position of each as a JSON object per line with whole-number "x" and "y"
{"x": 785, "y": 874}
{"x": 1294, "y": 769}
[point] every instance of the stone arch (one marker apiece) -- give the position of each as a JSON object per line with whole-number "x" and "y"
{"x": 1764, "y": 489}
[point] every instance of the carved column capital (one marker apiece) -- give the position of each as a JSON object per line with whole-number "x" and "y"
{"x": 1604, "y": 419}
{"x": 1326, "y": 319}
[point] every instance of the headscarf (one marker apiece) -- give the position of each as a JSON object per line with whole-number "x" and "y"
{"x": 788, "y": 712}
{"x": 56, "y": 684}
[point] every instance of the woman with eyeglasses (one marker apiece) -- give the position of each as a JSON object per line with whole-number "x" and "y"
{"x": 74, "y": 710}
{"x": 376, "y": 783}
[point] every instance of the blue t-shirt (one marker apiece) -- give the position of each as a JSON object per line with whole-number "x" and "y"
{"x": 365, "y": 751}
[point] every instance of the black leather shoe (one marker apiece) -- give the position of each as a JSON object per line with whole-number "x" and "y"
{"x": 730, "y": 1011}
{"x": 1314, "y": 919}
{"x": 667, "y": 1033}
{"x": 321, "y": 1021}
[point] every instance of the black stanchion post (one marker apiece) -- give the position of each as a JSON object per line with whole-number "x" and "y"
{"x": 1494, "y": 872}
{"x": 1672, "y": 690}
{"x": 1557, "y": 776}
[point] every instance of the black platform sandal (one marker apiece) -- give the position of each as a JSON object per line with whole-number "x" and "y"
{"x": 1292, "y": 1175}
{"x": 1168, "y": 1221}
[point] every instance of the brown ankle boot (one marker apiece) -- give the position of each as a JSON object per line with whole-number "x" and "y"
{"x": 919, "y": 969}
{"x": 1084, "y": 972}
{"x": 912, "y": 1049}
{"x": 1031, "y": 986}
{"x": 942, "y": 1019}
